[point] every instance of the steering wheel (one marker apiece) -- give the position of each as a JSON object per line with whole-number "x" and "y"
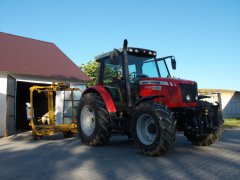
{"x": 132, "y": 76}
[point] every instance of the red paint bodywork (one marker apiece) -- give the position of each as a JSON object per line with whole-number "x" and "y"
{"x": 105, "y": 95}
{"x": 171, "y": 92}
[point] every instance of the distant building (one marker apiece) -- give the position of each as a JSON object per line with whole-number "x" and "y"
{"x": 230, "y": 101}
{"x": 26, "y": 62}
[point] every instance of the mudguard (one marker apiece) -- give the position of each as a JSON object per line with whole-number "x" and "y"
{"x": 105, "y": 95}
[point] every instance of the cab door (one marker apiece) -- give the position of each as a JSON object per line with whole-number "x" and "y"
{"x": 114, "y": 83}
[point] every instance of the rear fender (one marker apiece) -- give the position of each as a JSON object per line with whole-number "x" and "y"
{"x": 105, "y": 95}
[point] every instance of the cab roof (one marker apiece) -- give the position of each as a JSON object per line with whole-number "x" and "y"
{"x": 131, "y": 51}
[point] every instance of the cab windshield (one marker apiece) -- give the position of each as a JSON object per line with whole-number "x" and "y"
{"x": 147, "y": 67}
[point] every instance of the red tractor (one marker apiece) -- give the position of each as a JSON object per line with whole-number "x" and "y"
{"x": 136, "y": 96}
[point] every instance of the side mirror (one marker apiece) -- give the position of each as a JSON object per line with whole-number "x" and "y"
{"x": 114, "y": 55}
{"x": 173, "y": 62}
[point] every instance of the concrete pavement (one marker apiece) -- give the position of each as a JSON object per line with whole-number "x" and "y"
{"x": 58, "y": 158}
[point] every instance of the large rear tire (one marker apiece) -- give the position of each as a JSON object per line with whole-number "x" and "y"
{"x": 212, "y": 116}
{"x": 93, "y": 120}
{"x": 153, "y": 129}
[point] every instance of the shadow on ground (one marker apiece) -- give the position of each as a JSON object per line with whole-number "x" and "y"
{"x": 58, "y": 158}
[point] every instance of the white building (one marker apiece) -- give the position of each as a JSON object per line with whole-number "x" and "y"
{"x": 230, "y": 101}
{"x": 26, "y": 62}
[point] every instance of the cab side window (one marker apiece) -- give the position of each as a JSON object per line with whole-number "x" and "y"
{"x": 112, "y": 72}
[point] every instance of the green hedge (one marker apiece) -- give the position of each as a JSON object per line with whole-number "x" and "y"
{"x": 231, "y": 123}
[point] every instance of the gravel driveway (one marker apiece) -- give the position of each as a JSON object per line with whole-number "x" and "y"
{"x": 58, "y": 158}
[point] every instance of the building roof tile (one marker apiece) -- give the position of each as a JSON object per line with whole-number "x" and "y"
{"x": 33, "y": 57}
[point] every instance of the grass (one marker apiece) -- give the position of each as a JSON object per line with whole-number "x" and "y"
{"x": 231, "y": 123}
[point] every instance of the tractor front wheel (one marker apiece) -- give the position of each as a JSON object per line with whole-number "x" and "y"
{"x": 93, "y": 120}
{"x": 153, "y": 129}
{"x": 212, "y": 117}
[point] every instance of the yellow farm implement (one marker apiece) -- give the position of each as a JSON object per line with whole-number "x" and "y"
{"x": 43, "y": 119}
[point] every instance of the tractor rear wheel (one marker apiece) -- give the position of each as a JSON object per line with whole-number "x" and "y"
{"x": 153, "y": 129}
{"x": 215, "y": 121}
{"x": 93, "y": 120}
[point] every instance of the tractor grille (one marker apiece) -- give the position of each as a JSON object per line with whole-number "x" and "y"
{"x": 188, "y": 90}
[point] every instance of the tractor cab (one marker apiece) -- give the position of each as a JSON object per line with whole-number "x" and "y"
{"x": 123, "y": 79}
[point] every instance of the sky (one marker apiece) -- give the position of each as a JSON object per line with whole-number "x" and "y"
{"x": 204, "y": 36}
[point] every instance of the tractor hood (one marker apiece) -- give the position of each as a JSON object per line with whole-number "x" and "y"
{"x": 175, "y": 92}
{"x": 166, "y": 81}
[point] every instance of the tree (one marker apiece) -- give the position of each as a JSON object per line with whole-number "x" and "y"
{"x": 91, "y": 70}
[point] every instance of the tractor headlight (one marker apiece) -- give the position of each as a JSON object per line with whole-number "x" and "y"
{"x": 196, "y": 97}
{"x": 130, "y": 50}
{"x": 188, "y": 98}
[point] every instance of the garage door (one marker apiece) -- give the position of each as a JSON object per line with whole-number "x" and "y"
{"x": 11, "y": 92}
